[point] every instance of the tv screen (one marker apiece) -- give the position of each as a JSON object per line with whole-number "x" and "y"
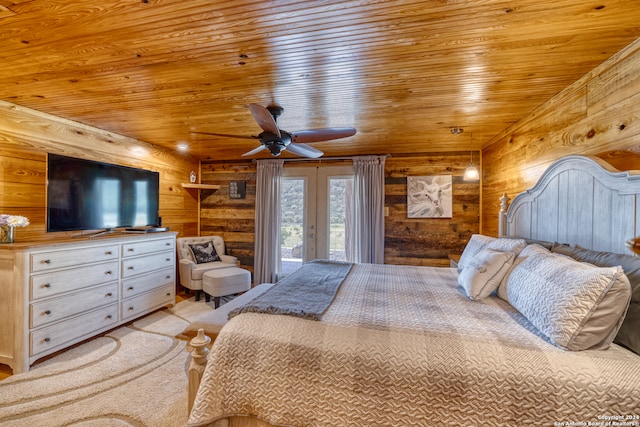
{"x": 89, "y": 195}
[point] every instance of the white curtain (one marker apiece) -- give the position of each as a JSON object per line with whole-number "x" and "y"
{"x": 368, "y": 227}
{"x": 267, "y": 241}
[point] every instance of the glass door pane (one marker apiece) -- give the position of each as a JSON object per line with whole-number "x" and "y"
{"x": 298, "y": 221}
{"x": 340, "y": 217}
{"x": 334, "y": 212}
{"x": 292, "y": 224}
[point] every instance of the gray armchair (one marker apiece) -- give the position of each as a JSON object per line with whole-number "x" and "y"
{"x": 191, "y": 272}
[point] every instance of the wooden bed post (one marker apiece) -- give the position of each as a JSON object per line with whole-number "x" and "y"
{"x": 502, "y": 216}
{"x": 199, "y": 352}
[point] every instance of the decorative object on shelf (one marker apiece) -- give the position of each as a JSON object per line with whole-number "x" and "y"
{"x": 237, "y": 189}
{"x": 8, "y": 224}
{"x": 429, "y": 196}
{"x": 193, "y": 177}
{"x": 471, "y": 172}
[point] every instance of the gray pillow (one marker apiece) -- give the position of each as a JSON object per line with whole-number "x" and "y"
{"x": 629, "y": 333}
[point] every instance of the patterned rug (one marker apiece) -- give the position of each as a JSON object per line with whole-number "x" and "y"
{"x": 132, "y": 376}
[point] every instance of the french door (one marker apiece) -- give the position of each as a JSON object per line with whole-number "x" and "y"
{"x": 316, "y": 206}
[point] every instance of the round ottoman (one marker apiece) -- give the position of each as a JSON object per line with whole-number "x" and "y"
{"x": 225, "y": 281}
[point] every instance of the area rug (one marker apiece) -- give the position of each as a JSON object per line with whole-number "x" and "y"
{"x": 134, "y": 375}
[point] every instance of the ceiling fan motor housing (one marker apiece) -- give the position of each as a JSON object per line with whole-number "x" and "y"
{"x": 273, "y": 143}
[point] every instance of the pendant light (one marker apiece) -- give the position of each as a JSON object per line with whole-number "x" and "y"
{"x": 471, "y": 172}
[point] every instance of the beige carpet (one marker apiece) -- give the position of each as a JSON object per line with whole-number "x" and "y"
{"x": 132, "y": 376}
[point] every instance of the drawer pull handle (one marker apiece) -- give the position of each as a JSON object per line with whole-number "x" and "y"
{"x": 46, "y": 261}
{"x": 109, "y": 295}
{"x": 47, "y": 339}
{"x": 167, "y": 259}
{"x": 131, "y": 308}
{"x": 47, "y": 312}
{"x": 108, "y": 253}
{"x": 109, "y": 316}
{"x": 168, "y": 294}
{"x": 108, "y": 273}
{"x": 130, "y": 288}
{"x": 167, "y": 277}
{"x": 130, "y": 249}
{"x": 46, "y": 285}
{"x": 130, "y": 268}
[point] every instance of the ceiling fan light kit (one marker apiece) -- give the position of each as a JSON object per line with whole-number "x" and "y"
{"x": 277, "y": 140}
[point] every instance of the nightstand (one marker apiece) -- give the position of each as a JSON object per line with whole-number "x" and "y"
{"x": 453, "y": 260}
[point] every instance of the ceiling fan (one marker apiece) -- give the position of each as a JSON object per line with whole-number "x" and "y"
{"x": 277, "y": 140}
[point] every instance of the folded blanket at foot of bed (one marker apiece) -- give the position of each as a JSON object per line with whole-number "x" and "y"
{"x": 305, "y": 293}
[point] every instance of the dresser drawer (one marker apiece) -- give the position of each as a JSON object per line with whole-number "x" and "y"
{"x": 147, "y": 263}
{"x": 143, "y": 302}
{"x": 50, "y": 284}
{"x": 52, "y": 310}
{"x": 141, "y": 248}
{"x": 147, "y": 282}
{"x": 56, "y": 336}
{"x": 42, "y": 261}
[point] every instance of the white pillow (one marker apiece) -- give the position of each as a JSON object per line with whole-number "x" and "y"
{"x": 484, "y": 272}
{"x": 576, "y": 305}
{"x": 480, "y": 241}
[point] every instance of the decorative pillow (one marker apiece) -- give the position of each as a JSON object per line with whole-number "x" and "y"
{"x": 578, "y": 306}
{"x": 629, "y": 333}
{"x": 479, "y": 242}
{"x": 482, "y": 275}
{"x": 204, "y": 252}
{"x": 476, "y": 243}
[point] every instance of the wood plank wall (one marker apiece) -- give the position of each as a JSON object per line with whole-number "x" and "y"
{"x": 599, "y": 115}
{"x": 409, "y": 241}
{"x": 429, "y": 241}
{"x": 27, "y": 135}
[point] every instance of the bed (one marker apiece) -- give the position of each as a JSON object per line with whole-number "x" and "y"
{"x": 536, "y": 327}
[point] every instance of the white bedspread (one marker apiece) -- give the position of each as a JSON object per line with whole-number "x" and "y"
{"x": 403, "y": 346}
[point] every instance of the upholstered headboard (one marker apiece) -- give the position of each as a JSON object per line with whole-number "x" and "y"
{"x": 579, "y": 200}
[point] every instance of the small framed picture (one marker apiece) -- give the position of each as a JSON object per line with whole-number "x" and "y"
{"x": 237, "y": 189}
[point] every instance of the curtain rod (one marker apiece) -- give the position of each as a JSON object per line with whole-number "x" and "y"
{"x": 320, "y": 159}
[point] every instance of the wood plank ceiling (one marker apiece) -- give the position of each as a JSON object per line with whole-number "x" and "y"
{"x": 403, "y": 72}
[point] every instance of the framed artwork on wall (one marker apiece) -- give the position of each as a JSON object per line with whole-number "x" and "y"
{"x": 429, "y": 196}
{"x": 237, "y": 189}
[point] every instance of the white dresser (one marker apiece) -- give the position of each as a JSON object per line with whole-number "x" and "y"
{"x": 53, "y": 295}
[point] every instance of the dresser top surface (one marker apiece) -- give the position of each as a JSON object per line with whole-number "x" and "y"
{"x": 87, "y": 240}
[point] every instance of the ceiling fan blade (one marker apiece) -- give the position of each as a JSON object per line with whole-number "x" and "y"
{"x": 319, "y": 135}
{"x": 226, "y": 135}
{"x": 304, "y": 150}
{"x": 254, "y": 151}
{"x": 264, "y": 119}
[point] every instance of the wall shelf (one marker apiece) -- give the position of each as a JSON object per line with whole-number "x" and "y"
{"x": 201, "y": 186}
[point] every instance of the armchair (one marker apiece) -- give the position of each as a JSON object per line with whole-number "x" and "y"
{"x": 190, "y": 272}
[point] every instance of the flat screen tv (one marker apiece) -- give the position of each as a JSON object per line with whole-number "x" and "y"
{"x": 89, "y": 195}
